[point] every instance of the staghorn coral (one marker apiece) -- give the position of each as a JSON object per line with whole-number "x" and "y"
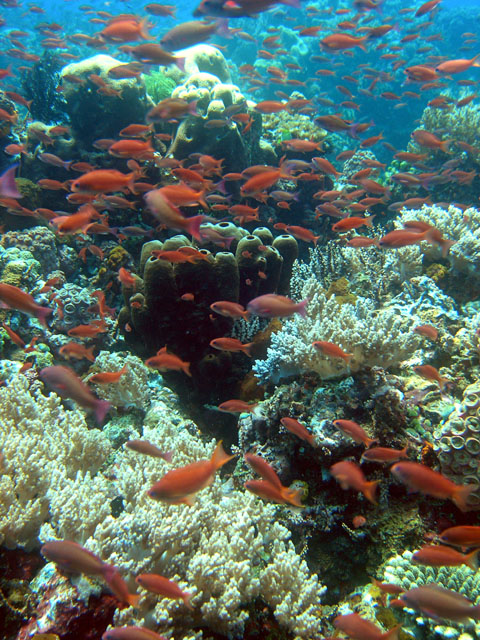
{"x": 375, "y": 337}
{"x": 226, "y": 549}
{"x": 39, "y": 441}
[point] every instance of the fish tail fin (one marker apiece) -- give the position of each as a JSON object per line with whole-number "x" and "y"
{"x": 222, "y": 28}
{"x": 316, "y": 239}
{"x": 446, "y": 244}
{"x": 143, "y": 29}
{"x": 101, "y": 409}
{"x": 392, "y": 634}
{"x": 292, "y": 496}
{"x": 133, "y": 599}
{"x": 193, "y": 227}
{"x": 42, "y": 314}
{"x": 460, "y": 496}
{"x": 180, "y": 62}
{"x": 302, "y": 307}
{"x": 186, "y": 600}
{"x": 186, "y": 369}
{"x": 89, "y": 353}
{"x": 219, "y": 456}
{"x": 247, "y": 348}
{"x": 368, "y": 221}
{"x": 444, "y": 145}
{"x": 131, "y": 182}
{"x": 471, "y": 559}
{"x": 369, "y": 491}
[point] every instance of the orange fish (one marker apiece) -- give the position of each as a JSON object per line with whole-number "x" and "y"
{"x": 428, "y": 331}
{"x": 384, "y": 454}
{"x": 268, "y": 491}
{"x": 15, "y": 338}
{"x": 456, "y": 66}
{"x": 272, "y": 305}
{"x": 358, "y": 628}
{"x": 355, "y": 431}
{"x": 170, "y": 216}
{"x": 12, "y": 297}
{"x": 302, "y": 234}
{"x": 125, "y": 30}
{"x": 265, "y": 470}
{"x": 332, "y": 350}
{"x": 430, "y": 140}
{"x": 229, "y": 309}
{"x": 164, "y": 587}
{"x": 104, "y": 181}
{"x": 67, "y": 384}
{"x": 350, "y": 476}
{"x": 338, "y": 41}
{"x": 87, "y": 330}
{"x": 148, "y": 449}
{"x": 431, "y": 373}
{"x": 165, "y": 361}
{"x": 77, "y": 351}
{"x": 296, "y": 427}
{"x": 418, "y": 477}
{"x": 236, "y": 406}
{"x": 231, "y": 344}
{"x": 440, "y": 556}
{"x": 108, "y": 377}
{"x": 179, "y": 486}
{"x": 126, "y": 278}
{"x": 463, "y": 536}
{"x": 353, "y": 222}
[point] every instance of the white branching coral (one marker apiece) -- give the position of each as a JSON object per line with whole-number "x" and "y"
{"x": 227, "y": 550}
{"x": 132, "y": 388}
{"x": 463, "y": 227}
{"x": 375, "y": 337}
{"x": 39, "y": 441}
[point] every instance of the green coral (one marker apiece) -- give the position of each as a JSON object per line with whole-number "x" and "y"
{"x": 159, "y": 86}
{"x": 30, "y": 191}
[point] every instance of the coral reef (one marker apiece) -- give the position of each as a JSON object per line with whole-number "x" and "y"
{"x": 376, "y": 338}
{"x": 43, "y": 447}
{"x": 39, "y": 241}
{"x": 94, "y": 116}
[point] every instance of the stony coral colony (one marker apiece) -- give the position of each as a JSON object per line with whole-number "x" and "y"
{"x": 240, "y": 335}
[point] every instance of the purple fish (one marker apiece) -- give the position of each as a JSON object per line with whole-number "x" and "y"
{"x": 8, "y": 187}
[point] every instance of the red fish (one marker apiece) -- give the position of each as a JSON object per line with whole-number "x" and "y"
{"x": 428, "y": 331}
{"x": 179, "y": 486}
{"x": 165, "y": 361}
{"x": 355, "y": 431}
{"x": 131, "y": 633}
{"x": 350, "y": 476}
{"x": 439, "y": 556}
{"x": 294, "y": 426}
{"x": 268, "y": 491}
{"x": 71, "y": 557}
{"x": 332, "y": 350}
{"x": 339, "y": 41}
{"x": 261, "y": 466}
{"x": 463, "y": 536}
{"x": 77, "y": 351}
{"x": 384, "y": 454}
{"x": 164, "y": 587}
{"x": 104, "y": 181}
{"x": 108, "y": 377}
{"x": 438, "y": 603}
{"x": 418, "y": 477}
{"x": 12, "y": 297}
{"x": 67, "y": 384}
{"x": 272, "y": 305}
{"x": 236, "y": 406}
{"x": 431, "y": 373}
{"x": 170, "y": 216}
{"x": 148, "y": 449}
{"x": 358, "y": 628}
{"x": 231, "y": 344}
